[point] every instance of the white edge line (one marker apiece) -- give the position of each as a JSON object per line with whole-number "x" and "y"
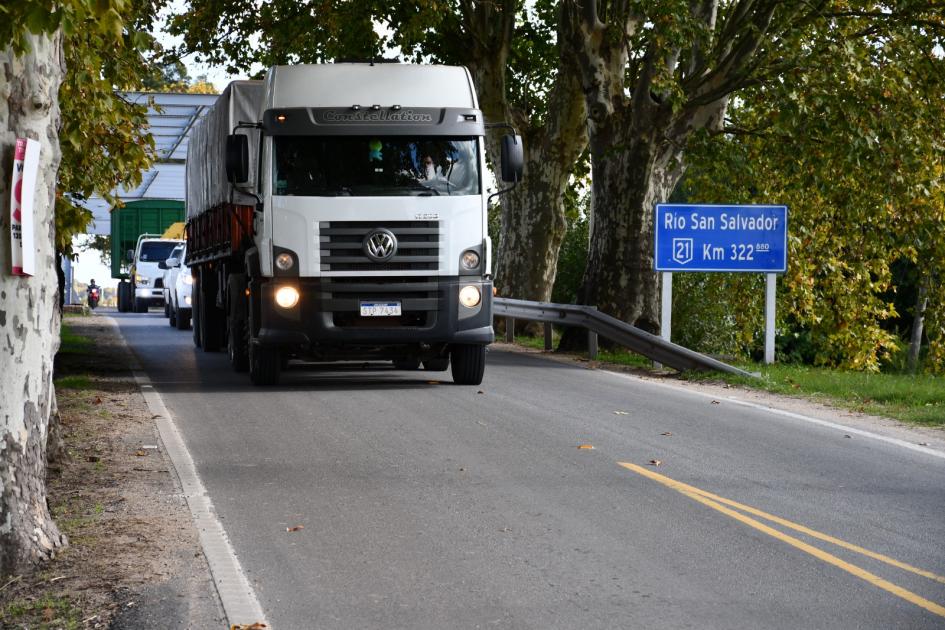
{"x": 788, "y": 414}
{"x": 236, "y": 594}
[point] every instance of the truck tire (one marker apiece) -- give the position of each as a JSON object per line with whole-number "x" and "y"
{"x": 167, "y": 309}
{"x": 141, "y": 305}
{"x": 121, "y": 296}
{"x": 171, "y": 316}
{"x": 436, "y": 365}
{"x": 183, "y": 320}
{"x": 264, "y": 365}
{"x": 469, "y": 363}
{"x": 237, "y": 324}
{"x": 125, "y": 296}
{"x": 212, "y": 331}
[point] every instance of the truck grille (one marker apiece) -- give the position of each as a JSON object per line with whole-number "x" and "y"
{"x": 419, "y": 297}
{"x": 418, "y": 245}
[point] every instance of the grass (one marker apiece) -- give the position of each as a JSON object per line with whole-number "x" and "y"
{"x": 46, "y": 612}
{"x": 76, "y": 381}
{"x": 71, "y": 343}
{"x": 914, "y": 399}
{"x": 918, "y": 399}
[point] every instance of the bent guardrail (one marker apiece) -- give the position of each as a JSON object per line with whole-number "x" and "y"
{"x": 597, "y": 323}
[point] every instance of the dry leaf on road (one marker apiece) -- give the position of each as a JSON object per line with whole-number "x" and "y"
{"x": 656, "y": 462}
{"x": 715, "y": 402}
{"x": 667, "y": 433}
{"x": 621, "y": 413}
{"x": 295, "y": 528}
{"x": 586, "y": 447}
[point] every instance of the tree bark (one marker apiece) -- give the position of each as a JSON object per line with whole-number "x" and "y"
{"x": 918, "y": 323}
{"x": 29, "y": 317}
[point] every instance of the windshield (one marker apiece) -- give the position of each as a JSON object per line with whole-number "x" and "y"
{"x": 156, "y": 251}
{"x": 375, "y": 166}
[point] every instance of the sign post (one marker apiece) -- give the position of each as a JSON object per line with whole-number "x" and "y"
{"x": 717, "y": 238}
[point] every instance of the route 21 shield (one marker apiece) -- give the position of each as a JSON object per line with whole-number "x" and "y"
{"x": 682, "y": 250}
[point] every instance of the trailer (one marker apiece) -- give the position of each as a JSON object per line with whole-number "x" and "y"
{"x": 338, "y": 212}
{"x": 128, "y": 223}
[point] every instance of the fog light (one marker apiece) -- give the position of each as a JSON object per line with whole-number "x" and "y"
{"x": 470, "y": 259}
{"x": 284, "y": 261}
{"x": 187, "y": 300}
{"x": 287, "y": 297}
{"x": 469, "y": 296}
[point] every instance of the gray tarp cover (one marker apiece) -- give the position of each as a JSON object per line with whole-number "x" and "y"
{"x": 207, "y": 186}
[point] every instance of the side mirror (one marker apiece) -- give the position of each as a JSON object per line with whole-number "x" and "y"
{"x": 162, "y": 265}
{"x": 513, "y": 158}
{"x": 237, "y": 158}
{"x": 131, "y": 255}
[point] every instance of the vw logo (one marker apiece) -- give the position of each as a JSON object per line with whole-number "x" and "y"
{"x": 380, "y": 245}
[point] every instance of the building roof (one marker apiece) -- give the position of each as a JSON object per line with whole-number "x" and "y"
{"x": 170, "y": 119}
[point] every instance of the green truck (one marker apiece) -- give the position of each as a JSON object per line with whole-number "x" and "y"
{"x": 147, "y": 216}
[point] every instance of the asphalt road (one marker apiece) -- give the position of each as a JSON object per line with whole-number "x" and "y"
{"x": 429, "y": 505}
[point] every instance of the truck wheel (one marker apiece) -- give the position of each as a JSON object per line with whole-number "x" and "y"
{"x": 209, "y": 331}
{"x": 183, "y": 320}
{"x": 171, "y": 316}
{"x": 167, "y": 310}
{"x": 264, "y": 365}
{"x": 469, "y": 363}
{"x": 236, "y": 324}
{"x": 406, "y": 364}
{"x": 121, "y": 297}
{"x": 141, "y": 305}
{"x": 436, "y": 365}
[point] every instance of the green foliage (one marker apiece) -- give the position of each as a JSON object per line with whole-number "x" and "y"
{"x": 853, "y": 144}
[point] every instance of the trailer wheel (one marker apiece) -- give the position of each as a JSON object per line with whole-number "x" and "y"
{"x": 236, "y": 324}
{"x": 183, "y": 320}
{"x": 436, "y": 365}
{"x": 212, "y": 332}
{"x": 141, "y": 305}
{"x": 122, "y": 296}
{"x": 264, "y": 365}
{"x": 469, "y": 363}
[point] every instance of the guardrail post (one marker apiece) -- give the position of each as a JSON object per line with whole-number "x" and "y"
{"x": 548, "y": 344}
{"x": 592, "y": 342}
{"x": 510, "y": 329}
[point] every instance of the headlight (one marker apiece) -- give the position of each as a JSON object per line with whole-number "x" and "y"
{"x": 470, "y": 259}
{"x": 284, "y": 261}
{"x": 141, "y": 280}
{"x": 287, "y": 297}
{"x": 469, "y": 296}
{"x": 187, "y": 300}
{"x": 188, "y": 279}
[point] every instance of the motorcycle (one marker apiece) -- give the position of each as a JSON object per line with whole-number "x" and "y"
{"x": 93, "y": 297}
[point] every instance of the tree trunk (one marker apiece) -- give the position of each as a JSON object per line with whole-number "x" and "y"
{"x": 918, "y": 323}
{"x": 29, "y": 317}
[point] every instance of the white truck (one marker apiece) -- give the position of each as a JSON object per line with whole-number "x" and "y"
{"x": 338, "y": 212}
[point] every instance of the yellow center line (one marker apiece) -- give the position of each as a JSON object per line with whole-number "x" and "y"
{"x": 682, "y": 487}
{"x": 704, "y": 497}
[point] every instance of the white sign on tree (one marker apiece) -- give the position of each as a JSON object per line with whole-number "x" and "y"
{"x": 23, "y": 190}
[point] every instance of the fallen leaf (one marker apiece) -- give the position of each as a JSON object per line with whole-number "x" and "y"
{"x": 480, "y": 392}
{"x": 715, "y": 402}
{"x": 48, "y": 614}
{"x": 621, "y": 413}
{"x": 586, "y": 447}
{"x": 846, "y": 436}
{"x": 141, "y": 453}
{"x": 923, "y": 443}
{"x": 249, "y": 626}
{"x": 156, "y": 416}
{"x": 667, "y": 434}
{"x": 656, "y": 462}
{"x": 295, "y": 528}
{"x": 97, "y": 401}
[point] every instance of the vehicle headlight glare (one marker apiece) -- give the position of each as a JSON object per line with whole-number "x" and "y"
{"x": 187, "y": 300}
{"x": 470, "y": 259}
{"x": 287, "y": 297}
{"x": 188, "y": 279}
{"x": 284, "y": 261}
{"x": 469, "y": 296}
{"x": 140, "y": 280}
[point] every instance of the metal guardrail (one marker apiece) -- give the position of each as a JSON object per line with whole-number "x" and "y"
{"x": 597, "y": 323}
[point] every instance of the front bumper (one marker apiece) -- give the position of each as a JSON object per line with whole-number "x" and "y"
{"x": 328, "y": 312}
{"x": 155, "y": 296}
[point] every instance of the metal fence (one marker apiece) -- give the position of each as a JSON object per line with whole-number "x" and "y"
{"x": 597, "y": 323}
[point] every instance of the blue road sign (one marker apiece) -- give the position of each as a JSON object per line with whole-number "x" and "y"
{"x": 721, "y": 238}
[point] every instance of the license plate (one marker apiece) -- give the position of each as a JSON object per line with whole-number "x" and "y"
{"x": 380, "y": 309}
